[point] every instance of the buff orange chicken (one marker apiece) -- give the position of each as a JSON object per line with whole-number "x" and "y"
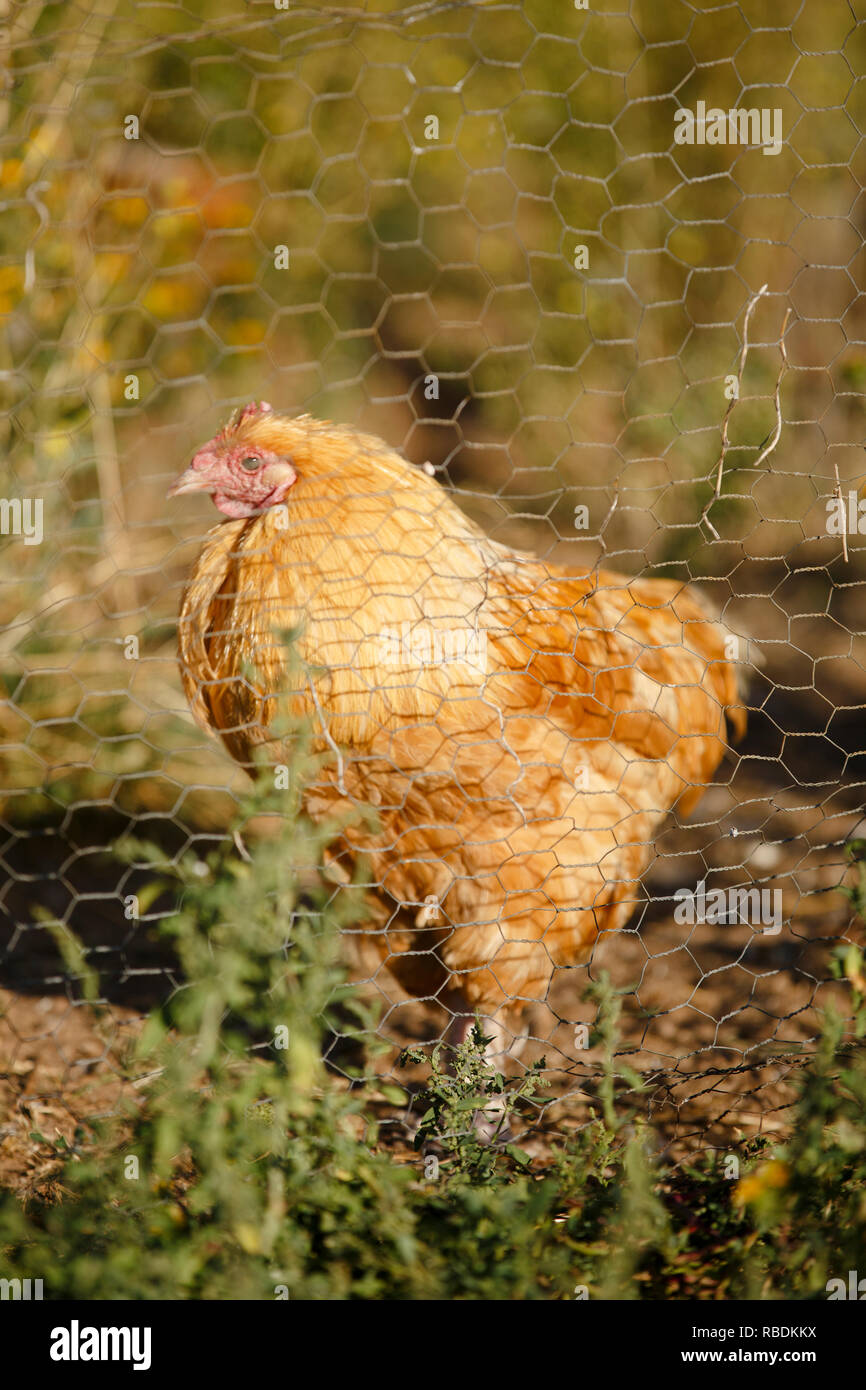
{"x": 521, "y": 731}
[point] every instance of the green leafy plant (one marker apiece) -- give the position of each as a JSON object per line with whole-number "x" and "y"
{"x": 467, "y": 1106}
{"x": 238, "y": 1167}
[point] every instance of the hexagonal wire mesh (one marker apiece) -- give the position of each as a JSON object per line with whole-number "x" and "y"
{"x": 470, "y": 230}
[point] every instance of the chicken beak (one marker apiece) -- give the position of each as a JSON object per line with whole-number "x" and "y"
{"x": 191, "y": 481}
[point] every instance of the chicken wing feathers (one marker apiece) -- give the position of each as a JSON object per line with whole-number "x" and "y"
{"x": 519, "y": 774}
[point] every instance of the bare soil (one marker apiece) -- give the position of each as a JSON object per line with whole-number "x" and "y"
{"x": 718, "y": 1019}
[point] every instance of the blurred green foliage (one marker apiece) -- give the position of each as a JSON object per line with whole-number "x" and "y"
{"x": 415, "y": 249}
{"x": 240, "y": 1169}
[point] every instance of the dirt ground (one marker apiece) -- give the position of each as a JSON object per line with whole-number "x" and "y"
{"x": 717, "y": 1019}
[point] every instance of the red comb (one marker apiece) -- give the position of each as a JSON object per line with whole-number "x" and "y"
{"x": 237, "y": 417}
{"x": 252, "y": 409}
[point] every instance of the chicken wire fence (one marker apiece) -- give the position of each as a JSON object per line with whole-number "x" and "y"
{"x": 520, "y": 243}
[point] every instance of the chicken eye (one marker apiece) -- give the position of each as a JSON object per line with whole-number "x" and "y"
{"x": 251, "y": 463}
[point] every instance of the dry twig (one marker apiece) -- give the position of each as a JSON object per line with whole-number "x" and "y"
{"x": 773, "y": 440}
{"x": 838, "y": 499}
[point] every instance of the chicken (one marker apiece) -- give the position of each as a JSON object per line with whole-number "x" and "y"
{"x": 521, "y": 731}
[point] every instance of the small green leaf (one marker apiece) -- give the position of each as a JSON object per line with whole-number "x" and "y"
{"x": 393, "y": 1094}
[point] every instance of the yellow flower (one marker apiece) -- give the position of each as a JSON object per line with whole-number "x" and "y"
{"x": 171, "y": 299}
{"x": 129, "y": 212}
{"x": 772, "y": 1174}
{"x": 248, "y": 1237}
{"x": 245, "y": 332}
{"x": 11, "y": 288}
{"x": 9, "y": 171}
{"x": 11, "y": 277}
